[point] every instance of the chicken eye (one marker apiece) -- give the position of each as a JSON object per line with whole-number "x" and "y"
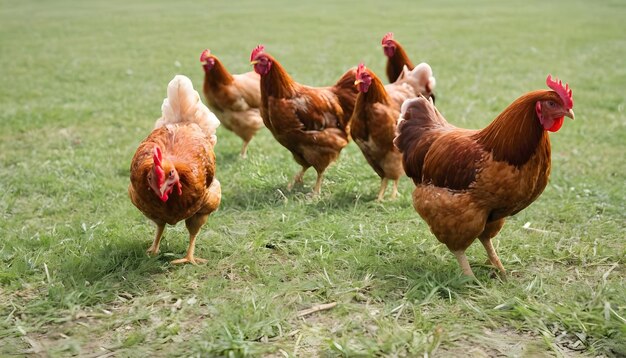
{"x": 551, "y": 104}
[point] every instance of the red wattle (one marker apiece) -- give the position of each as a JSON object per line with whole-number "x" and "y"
{"x": 557, "y": 124}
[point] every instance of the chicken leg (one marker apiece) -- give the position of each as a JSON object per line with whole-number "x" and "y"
{"x": 383, "y": 187}
{"x": 394, "y": 192}
{"x": 193, "y": 225}
{"x": 153, "y": 250}
{"x": 493, "y": 256}
{"x": 491, "y": 230}
{"x": 297, "y": 179}
{"x": 244, "y": 149}
{"x": 462, "y": 259}
{"x": 317, "y": 189}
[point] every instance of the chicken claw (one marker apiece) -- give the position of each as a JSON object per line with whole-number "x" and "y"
{"x": 189, "y": 259}
{"x": 152, "y": 251}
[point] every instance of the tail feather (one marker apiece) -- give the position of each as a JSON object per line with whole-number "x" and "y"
{"x": 346, "y": 92}
{"x": 183, "y": 106}
{"x": 418, "y": 117}
{"x": 347, "y": 80}
{"x": 420, "y": 78}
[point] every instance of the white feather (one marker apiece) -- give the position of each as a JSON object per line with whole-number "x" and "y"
{"x": 183, "y": 106}
{"x": 421, "y": 78}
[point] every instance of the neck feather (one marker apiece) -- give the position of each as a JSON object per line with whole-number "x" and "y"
{"x": 376, "y": 92}
{"x": 277, "y": 82}
{"x": 516, "y": 133}
{"x": 218, "y": 75}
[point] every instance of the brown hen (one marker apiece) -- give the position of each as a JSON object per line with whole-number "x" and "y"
{"x": 235, "y": 99}
{"x": 172, "y": 174}
{"x": 312, "y": 123}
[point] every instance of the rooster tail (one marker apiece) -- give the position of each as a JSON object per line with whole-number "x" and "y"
{"x": 183, "y": 106}
{"x": 346, "y": 92}
{"x": 418, "y": 119}
{"x": 347, "y": 81}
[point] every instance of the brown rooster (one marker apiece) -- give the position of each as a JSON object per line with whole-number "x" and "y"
{"x": 310, "y": 122}
{"x": 469, "y": 181}
{"x": 373, "y": 126}
{"x": 172, "y": 175}
{"x": 234, "y": 98}
{"x": 396, "y": 57}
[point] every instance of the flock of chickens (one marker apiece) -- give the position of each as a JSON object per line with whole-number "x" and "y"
{"x": 466, "y": 181}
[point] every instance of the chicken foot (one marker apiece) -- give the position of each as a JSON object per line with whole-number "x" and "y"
{"x": 153, "y": 250}
{"x": 318, "y": 184}
{"x": 394, "y": 192}
{"x": 491, "y": 230}
{"x": 193, "y": 225}
{"x": 297, "y": 179}
{"x": 383, "y": 188}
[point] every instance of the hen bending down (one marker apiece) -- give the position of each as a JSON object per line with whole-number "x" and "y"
{"x": 468, "y": 181}
{"x": 172, "y": 174}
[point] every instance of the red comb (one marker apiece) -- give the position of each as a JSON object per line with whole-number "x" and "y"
{"x": 158, "y": 168}
{"x": 257, "y": 50}
{"x": 360, "y": 69}
{"x": 564, "y": 92}
{"x": 203, "y": 56}
{"x": 387, "y": 37}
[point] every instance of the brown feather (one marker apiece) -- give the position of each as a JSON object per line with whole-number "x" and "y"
{"x": 187, "y": 149}
{"x": 468, "y": 181}
{"x": 516, "y": 133}
{"x": 310, "y": 122}
{"x": 396, "y": 62}
{"x": 235, "y": 99}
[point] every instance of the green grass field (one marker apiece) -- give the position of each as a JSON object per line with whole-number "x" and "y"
{"x": 82, "y": 84}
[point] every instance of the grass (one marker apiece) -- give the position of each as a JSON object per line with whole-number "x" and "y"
{"x": 82, "y": 83}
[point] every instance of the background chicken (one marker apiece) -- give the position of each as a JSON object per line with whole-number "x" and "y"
{"x": 234, "y": 98}
{"x": 310, "y": 122}
{"x": 396, "y": 57}
{"x": 373, "y": 126}
{"x": 401, "y": 71}
{"x": 469, "y": 181}
{"x": 172, "y": 175}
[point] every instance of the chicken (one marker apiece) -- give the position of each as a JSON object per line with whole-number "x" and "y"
{"x": 312, "y": 123}
{"x": 469, "y": 181}
{"x": 399, "y": 67}
{"x": 373, "y": 126}
{"x": 172, "y": 174}
{"x": 396, "y": 57}
{"x": 234, "y": 98}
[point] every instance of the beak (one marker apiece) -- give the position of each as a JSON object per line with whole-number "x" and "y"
{"x": 162, "y": 189}
{"x": 570, "y": 113}
{"x": 254, "y": 62}
{"x": 357, "y": 82}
